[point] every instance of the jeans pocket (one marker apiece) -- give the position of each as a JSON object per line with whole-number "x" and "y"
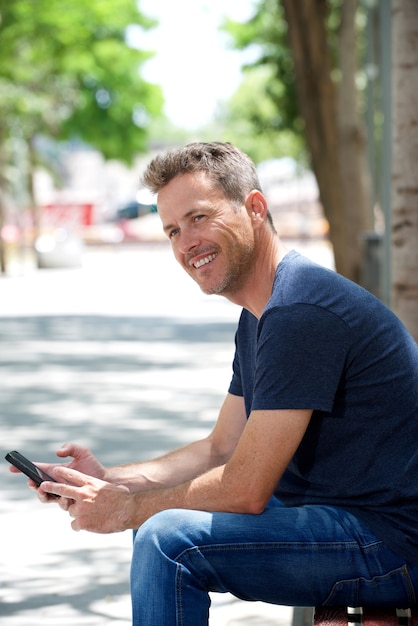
{"x": 393, "y": 589}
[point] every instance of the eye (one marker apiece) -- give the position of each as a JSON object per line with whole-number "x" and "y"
{"x": 197, "y": 218}
{"x": 173, "y": 233}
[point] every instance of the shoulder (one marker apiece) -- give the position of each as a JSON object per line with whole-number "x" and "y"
{"x": 301, "y": 281}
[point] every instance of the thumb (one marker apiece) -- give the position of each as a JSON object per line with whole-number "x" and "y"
{"x": 70, "y": 449}
{"x": 65, "y": 450}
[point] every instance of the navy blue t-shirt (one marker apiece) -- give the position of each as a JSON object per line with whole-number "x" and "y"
{"x": 326, "y": 344}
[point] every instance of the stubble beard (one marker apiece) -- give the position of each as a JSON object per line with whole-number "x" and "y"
{"x": 236, "y": 273}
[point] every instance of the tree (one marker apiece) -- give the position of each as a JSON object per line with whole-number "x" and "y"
{"x": 68, "y": 71}
{"x": 72, "y": 72}
{"x": 333, "y": 126}
{"x": 251, "y": 112}
{"x": 404, "y": 163}
{"x": 262, "y": 116}
{"x": 321, "y": 69}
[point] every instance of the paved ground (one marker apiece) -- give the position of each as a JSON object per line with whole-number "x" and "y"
{"x": 128, "y": 357}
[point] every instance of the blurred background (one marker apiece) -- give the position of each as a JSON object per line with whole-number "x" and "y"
{"x": 317, "y": 92}
{"x": 103, "y": 340}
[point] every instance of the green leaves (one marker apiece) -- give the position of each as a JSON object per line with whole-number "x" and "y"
{"x": 66, "y": 70}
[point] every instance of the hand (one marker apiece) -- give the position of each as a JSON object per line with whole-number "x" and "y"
{"x": 83, "y": 461}
{"x": 94, "y": 504}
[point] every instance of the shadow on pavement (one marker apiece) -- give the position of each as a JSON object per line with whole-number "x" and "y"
{"x": 80, "y": 593}
{"x": 130, "y": 388}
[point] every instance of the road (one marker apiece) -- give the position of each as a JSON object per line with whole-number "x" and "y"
{"x": 126, "y": 356}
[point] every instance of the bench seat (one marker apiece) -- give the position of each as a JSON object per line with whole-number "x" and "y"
{"x": 364, "y": 616}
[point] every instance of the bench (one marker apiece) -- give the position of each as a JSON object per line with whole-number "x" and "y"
{"x": 364, "y": 616}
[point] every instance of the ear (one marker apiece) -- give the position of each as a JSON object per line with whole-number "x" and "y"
{"x": 256, "y": 205}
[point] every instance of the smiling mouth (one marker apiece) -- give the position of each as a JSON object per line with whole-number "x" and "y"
{"x": 204, "y": 261}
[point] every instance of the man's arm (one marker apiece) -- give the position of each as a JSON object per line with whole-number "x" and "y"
{"x": 171, "y": 469}
{"x": 247, "y": 481}
{"x": 192, "y": 460}
{"x": 243, "y": 484}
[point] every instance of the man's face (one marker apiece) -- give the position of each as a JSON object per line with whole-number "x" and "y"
{"x": 211, "y": 238}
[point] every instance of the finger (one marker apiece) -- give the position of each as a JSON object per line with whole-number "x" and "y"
{"x": 72, "y": 510}
{"x": 71, "y": 449}
{"x": 75, "y": 525}
{"x": 50, "y": 489}
{"x": 70, "y": 476}
{"x": 68, "y": 482}
{"x": 67, "y": 449}
{"x": 65, "y": 503}
{"x": 47, "y": 498}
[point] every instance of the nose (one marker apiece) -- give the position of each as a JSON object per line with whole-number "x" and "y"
{"x": 187, "y": 240}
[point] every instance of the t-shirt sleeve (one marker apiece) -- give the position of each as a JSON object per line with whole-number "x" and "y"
{"x": 235, "y": 386}
{"x": 301, "y": 352}
{"x": 243, "y": 364}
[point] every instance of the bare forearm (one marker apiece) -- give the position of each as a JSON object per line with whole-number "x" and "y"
{"x": 174, "y": 468}
{"x": 213, "y": 474}
{"x": 244, "y": 484}
{"x": 204, "y": 492}
{"x": 186, "y": 463}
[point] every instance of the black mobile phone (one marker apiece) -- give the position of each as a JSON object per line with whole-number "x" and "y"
{"x": 27, "y": 467}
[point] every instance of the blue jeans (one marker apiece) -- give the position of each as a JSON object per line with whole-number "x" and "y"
{"x": 301, "y": 556}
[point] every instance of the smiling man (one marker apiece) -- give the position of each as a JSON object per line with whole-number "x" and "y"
{"x": 306, "y": 490}
{"x": 223, "y": 246}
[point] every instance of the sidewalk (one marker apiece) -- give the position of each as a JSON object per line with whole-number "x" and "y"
{"x": 127, "y": 357}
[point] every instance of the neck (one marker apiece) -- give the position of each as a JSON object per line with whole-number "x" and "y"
{"x": 257, "y": 290}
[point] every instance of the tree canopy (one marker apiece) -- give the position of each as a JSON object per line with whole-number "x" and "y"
{"x": 66, "y": 70}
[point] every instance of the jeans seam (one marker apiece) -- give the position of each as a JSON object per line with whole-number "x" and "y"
{"x": 403, "y": 570}
{"x": 178, "y": 599}
{"x": 331, "y": 545}
{"x": 410, "y": 586}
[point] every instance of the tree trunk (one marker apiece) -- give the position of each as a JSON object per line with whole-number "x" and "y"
{"x": 355, "y": 171}
{"x": 334, "y": 134}
{"x": 318, "y": 106}
{"x": 405, "y": 163}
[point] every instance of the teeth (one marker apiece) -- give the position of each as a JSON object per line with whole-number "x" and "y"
{"x": 204, "y": 261}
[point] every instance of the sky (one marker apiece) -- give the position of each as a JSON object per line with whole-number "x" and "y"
{"x": 194, "y": 63}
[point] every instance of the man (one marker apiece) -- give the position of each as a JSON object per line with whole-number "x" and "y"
{"x": 306, "y": 490}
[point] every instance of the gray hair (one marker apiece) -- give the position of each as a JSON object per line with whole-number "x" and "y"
{"x": 228, "y": 167}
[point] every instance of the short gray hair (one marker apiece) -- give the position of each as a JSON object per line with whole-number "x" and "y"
{"x": 228, "y": 167}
